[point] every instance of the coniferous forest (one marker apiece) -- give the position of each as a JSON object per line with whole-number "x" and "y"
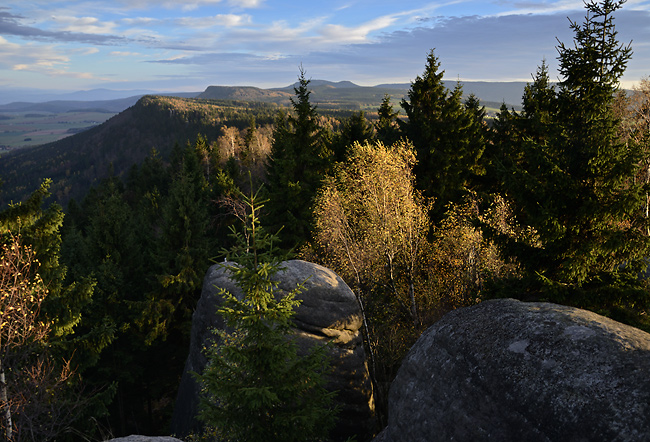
{"x": 101, "y": 269}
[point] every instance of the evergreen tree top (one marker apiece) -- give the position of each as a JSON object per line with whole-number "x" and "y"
{"x": 427, "y": 90}
{"x": 301, "y": 105}
{"x": 597, "y": 60}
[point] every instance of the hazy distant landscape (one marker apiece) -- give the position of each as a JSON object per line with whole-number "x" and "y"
{"x": 34, "y": 119}
{"x": 31, "y": 129}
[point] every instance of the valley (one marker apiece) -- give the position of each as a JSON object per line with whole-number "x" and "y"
{"x": 24, "y": 129}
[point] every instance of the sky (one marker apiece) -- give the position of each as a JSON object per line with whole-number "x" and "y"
{"x": 187, "y": 45}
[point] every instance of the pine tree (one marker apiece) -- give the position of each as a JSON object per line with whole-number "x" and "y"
{"x": 257, "y": 387}
{"x": 443, "y": 132}
{"x": 539, "y": 106}
{"x": 354, "y": 129}
{"x": 601, "y": 203}
{"x": 300, "y": 158}
{"x": 386, "y": 126}
{"x": 574, "y": 182}
{"x": 184, "y": 246}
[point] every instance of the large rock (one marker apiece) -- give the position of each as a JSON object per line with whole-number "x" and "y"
{"x": 505, "y": 370}
{"x": 328, "y": 312}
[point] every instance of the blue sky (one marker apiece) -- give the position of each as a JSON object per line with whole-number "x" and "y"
{"x": 187, "y": 45}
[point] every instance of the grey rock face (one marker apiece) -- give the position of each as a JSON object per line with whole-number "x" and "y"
{"x": 505, "y": 370}
{"x": 328, "y": 312}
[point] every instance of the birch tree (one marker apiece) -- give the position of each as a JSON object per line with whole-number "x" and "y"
{"x": 21, "y": 293}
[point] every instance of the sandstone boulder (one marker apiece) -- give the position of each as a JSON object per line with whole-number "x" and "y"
{"x": 506, "y": 370}
{"x": 328, "y": 312}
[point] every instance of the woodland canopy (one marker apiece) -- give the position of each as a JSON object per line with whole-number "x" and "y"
{"x": 421, "y": 210}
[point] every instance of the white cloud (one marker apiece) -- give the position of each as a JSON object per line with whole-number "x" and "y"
{"x": 176, "y": 57}
{"x": 543, "y": 7}
{"x": 25, "y": 56}
{"x": 246, "y": 3}
{"x": 357, "y": 40}
{"x": 86, "y": 25}
{"x": 189, "y": 5}
{"x": 356, "y": 34}
{"x": 186, "y": 5}
{"x": 40, "y": 59}
{"x": 140, "y": 21}
{"x": 125, "y": 54}
{"x": 227, "y": 20}
{"x": 281, "y": 30}
{"x": 89, "y": 51}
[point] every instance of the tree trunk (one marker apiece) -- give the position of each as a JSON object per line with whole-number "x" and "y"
{"x": 414, "y": 307}
{"x": 371, "y": 353}
{"x": 6, "y": 410}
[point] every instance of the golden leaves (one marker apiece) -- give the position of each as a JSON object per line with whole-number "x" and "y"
{"x": 21, "y": 293}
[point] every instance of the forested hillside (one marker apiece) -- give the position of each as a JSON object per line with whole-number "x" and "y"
{"x": 78, "y": 162}
{"x": 157, "y": 122}
{"x": 421, "y": 209}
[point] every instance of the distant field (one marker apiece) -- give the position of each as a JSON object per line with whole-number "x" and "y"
{"x": 21, "y": 129}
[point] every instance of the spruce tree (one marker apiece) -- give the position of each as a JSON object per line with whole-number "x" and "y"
{"x": 539, "y": 106}
{"x": 519, "y": 161}
{"x": 499, "y": 151}
{"x": 443, "y": 132}
{"x": 355, "y": 129}
{"x": 40, "y": 229}
{"x": 386, "y": 126}
{"x": 256, "y": 386}
{"x": 184, "y": 246}
{"x": 300, "y": 158}
{"x": 602, "y": 204}
{"x": 476, "y": 134}
{"x": 574, "y": 181}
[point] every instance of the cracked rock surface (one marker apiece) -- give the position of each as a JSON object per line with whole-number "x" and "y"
{"x": 506, "y": 370}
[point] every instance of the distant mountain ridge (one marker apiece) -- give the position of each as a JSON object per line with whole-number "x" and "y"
{"x": 245, "y": 93}
{"x": 348, "y": 95}
{"x": 509, "y": 92}
{"x": 327, "y": 94}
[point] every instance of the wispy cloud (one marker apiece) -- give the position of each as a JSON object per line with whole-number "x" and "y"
{"x": 83, "y": 25}
{"x": 189, "y": 5}
{"x": 10, "y": 24}
{"x": 227, "y": 20}
{"x": 125, "y": 54}
{"x": 495, "y": 47}
{"x": 45, "y": 60}
{"x": 356, "y": 34}
{"x": 261, "y": 43}
{"x": 88, "y": 51}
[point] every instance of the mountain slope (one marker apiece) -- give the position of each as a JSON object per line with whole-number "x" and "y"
{"x": 76, "y": 163}
{"x": 245, "y": 93}
{"x": 325, "y": 94}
